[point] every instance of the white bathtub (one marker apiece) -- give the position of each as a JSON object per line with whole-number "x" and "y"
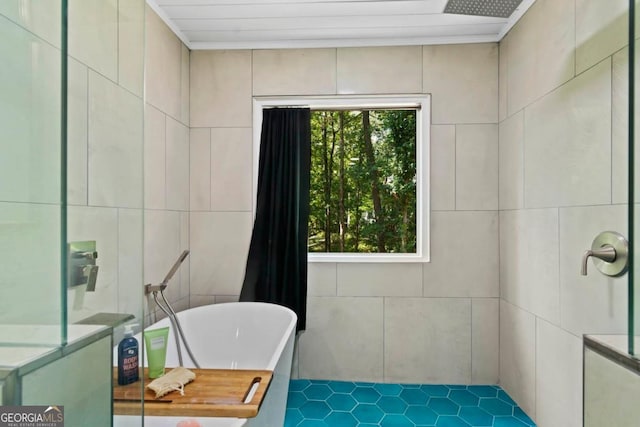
{"x": 243, "y": 335}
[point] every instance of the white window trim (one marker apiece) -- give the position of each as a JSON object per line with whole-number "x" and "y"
{"x": 423, "y": 124}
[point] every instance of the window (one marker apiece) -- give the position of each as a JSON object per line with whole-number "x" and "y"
{"x": 369, "y": 177}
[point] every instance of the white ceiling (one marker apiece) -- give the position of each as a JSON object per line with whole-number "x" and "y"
{"x": 266, "y": 24}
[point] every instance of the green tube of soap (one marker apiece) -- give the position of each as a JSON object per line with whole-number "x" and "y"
{"x": 156, "y": 342}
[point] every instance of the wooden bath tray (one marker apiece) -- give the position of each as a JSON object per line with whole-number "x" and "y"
{"x": 214, "y": 393}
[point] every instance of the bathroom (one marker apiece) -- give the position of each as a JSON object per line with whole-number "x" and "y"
{"x": 529, "y": 162}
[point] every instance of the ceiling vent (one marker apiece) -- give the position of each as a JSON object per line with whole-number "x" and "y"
{"x": 495, "y": 8}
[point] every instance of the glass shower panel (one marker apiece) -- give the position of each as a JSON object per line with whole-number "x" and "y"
{"x": 30, "y": 173}
{"x": 634, "y": 180}
{"x": 105, "y": 166}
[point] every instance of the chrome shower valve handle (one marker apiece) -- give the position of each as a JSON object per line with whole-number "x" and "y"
{"x": 610, "y": 253}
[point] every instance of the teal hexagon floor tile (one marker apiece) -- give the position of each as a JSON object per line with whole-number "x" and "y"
{"x": 476, "y": 416}
{"x": 495, "y": 406}
{"x": 502, "y": 395}
{"x": 520, "y": 414}
{"x": 317, "y": 392}
{"x": 313, "y": 423}
{"x": 463, "y": 398}
{"x": 321, "y": 403}
{"x": 421, "y": 415}
{"x": 342, "y": 386}
{"x": 341, "y": 402}
{"x": 365, "y": 395}
{"x": 367, "y": 413}
{"x": 443, "y": 406}
{"x": 315, "y": 410}
{"x": 414, "y": 396}
{"x": 296, "y": 399}
{"x": 448, "y": 421}
{"x": 292, "y": 418}
{"x": 388, "y": 389}
{"x": 341, "y": 419}
{"x": 507, "y": 422}
{"x": 483, "y": 390}
{"x": 435, "y": 390}
{"x": 392, "y": 405}
{"x": 298, "y": 385}
{"x": 395, "y": 420}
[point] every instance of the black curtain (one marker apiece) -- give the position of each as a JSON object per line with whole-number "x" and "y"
{"x": 277, "y": 263}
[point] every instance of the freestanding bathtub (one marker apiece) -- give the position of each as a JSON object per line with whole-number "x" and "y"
{"x": 242, "y": 335}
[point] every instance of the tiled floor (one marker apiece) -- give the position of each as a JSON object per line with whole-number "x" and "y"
{"x": 315, "y": 403}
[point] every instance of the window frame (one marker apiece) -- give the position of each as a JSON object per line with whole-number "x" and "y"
{"x": 422, "y": 104}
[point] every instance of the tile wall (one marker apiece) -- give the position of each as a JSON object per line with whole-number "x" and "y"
{"x": 105, "y": 127}
{"x": 435, "y": 322}
{"x": 562, "y": 180}
{"x": 129, "y": 161}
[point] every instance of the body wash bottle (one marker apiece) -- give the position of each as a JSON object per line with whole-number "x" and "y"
{"x": 128, "y": 359}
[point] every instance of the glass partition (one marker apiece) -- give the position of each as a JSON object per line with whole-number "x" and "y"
{"x": 71, "y": 198}
{"x": 31, "y": 194}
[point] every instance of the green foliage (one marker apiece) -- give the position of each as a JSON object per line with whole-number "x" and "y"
{"x": 345, "y": 182}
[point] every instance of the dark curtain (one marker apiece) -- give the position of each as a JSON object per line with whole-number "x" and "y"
{"x": 277, "y": 263}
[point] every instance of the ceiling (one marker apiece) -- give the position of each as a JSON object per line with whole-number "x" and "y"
{"x": 271, "y": 24}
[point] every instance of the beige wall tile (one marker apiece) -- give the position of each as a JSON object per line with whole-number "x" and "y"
{"x": 594, "y": 303}
{"x": 379, "y": 70}
{"x": 477, "y": 167}
{"x": 518, "y": 356}
{"x": 131, "y": 24}
{"x": 155, "y": 172}
{"x": 602, "y": 28}
{"x": 184, "y": 85}
{"x": 568, "y": 143}
{"x": 485, "y": 340}
{"x": 374, "y": 279}
{"x": 177, "y": 163}
{"x": 610, "y": 394}
{"x": 77, "y": 133}
{"x": 322, "y": 279}
{"x": 529, "y": 265}
{"x": 219, "y": 248}
{"x": 511, "y": 162}
{"x": 130, "y": 261}
{"x": 343, "y": 339}
{"x": 30, "y": 124}
{"x": 163, "y": 54}
{"x": 462, "y": 238}
{"x": 115, "y": 144}
{"x": 503, "y": 78}
{"x": 101, "y": 225}
{"x": 222, "y": 299}
{"x": 540, "y": 52}
{"x": 200, "y": 169}
{"x": 620, "y": 126}
{"x": 463, "y": 80}
{"x": 40, "y": 18}
{"x": 415, "y": 327}
{"x": 443, "y": 167}
{"x": 93, "y": 35}
{"x": 558, "y": 376}
{"x": 231, "y": 169}
{"x": 294, "y": 72}
{"x": 220, "y": 83}
{"x": 161, "y": 249}
{"x": 185, "y": 268}
{"x": 32, "y": 231}
{"x": 200, "y": 300}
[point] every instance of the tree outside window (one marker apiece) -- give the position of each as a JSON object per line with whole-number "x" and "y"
{"x": 363, "y": 181}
